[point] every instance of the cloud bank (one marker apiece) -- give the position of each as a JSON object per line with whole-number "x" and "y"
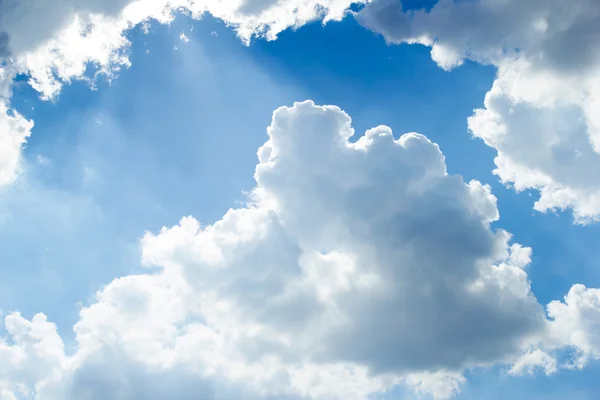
{"x": 355, "y": 267}
{"x": 541, "y": 113}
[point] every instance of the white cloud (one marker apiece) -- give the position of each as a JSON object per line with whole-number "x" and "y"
{"x": 36, "y": 349}
{"x": 14, "y": 131}
{"x": 184, "y": 38}
{"x": 540, "y": 114}
{"x": 531, "y": 361}
{"x": 54, "y": 43}
{"x": 576, "y": 322}
{"x": 355, "y": 267}
{"x": 68, "y": 37}
{"x": 440, "y": 384}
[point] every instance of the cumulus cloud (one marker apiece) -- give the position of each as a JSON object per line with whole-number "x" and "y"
{"x": 576, "y": 322}
{"x": 54, "y": 43}
{"x": 355, "y": 267}
{"x": 540, "y": 114}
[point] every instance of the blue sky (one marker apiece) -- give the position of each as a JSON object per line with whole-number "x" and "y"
{"x": 176, "y": 134}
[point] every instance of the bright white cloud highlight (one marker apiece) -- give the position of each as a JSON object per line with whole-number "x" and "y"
{"x": 541, "y": 114}
{"x": 184, "y": 38}
{"x": 68, "y": 37}
{"x": 14, "y": 131}
{"x": 355, "y": 267}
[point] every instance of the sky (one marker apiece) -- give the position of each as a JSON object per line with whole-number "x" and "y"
{"x": 285, "y": 199}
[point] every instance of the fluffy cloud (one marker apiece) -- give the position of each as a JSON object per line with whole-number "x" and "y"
{"x": 14, "y": 131}
{"x": 540, "y": 114}
{"x": 54, "y": 43}
{"x": 576, "y": 322}
{"x": 355, "y": 267}
{"x": 73, "y": 34}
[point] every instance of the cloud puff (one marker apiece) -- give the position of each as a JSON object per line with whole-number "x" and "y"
{"x": 540, "y": 114}
{"x": 576, "y": 323}
{"x": 355, "y": 267}
{"x": 14, "y": 131}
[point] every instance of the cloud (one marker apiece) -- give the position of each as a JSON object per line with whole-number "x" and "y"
{"x": 69, "y": 37}
{"x": 355, "y": 267}
{"x": 184, "y": 38}
{"x": 540, "y": 114}
{"x": 14, "y": 131}
{"x": 533, "y": 360}
{"x": 55, "y": 43}
{"x": 576, "y": 322}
